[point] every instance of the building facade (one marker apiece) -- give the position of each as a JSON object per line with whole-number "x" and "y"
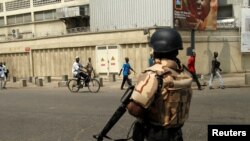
{"x": 42, "y": 37}
{"x": 27, "y": 19}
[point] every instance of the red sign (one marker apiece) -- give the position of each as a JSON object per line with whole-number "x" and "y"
{"x": 195, "y": 14}
{"x": 27, "y": 49}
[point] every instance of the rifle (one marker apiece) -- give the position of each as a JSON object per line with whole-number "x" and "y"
{"x": 125, "y": 99}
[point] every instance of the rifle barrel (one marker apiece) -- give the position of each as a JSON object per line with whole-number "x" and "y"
{"x": 116, "y": 116}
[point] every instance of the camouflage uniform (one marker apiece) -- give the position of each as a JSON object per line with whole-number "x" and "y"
{"x": 166, "y": 109}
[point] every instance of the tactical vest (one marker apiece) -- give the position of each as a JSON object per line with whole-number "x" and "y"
{"x": 170, "y": 105}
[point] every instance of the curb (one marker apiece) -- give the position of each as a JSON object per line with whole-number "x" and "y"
{"x": 58, "y": 84}
{"x": 226, "y": 86}
{"x": 62, "y": 83}
{"x": 237, "y": 86}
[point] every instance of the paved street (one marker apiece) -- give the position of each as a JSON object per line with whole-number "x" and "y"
{"x": 55, "y": 114}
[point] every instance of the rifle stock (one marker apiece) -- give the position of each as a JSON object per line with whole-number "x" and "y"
{"x": 117, "y": 115}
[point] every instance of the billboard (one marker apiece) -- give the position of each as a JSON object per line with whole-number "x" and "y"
{"x": 195, "y": 14}
{"x": 245, "y": 30}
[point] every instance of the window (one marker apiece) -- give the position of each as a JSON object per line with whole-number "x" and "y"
{"x": 27, "y": 18}
{"x": 49, "y": 15}
{"x": 1, "y": 21}
{"x": 45, "y": 15}
{"x": 11, "y": 20}
{"x": 226, "y": 18}
{"x": 17, "y": 4}
{"x": 225, "y": 12}
{"x": 44, "y": 2}
{"x": 38, "y": 16}
{"x": 19, "y": 19}
{"x": 1, "y": 7}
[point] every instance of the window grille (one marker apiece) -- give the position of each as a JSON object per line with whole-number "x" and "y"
{"x": 1, "y": 21}
{"x": 45, "y": 15}
{"x": 17, "y": 4}
{"x": 44, "y": 2}
{"x": 48, "y": 15}
{"x": 27, "y": 18}
{"x": 1, "y": 7}
{"x": 11, "y": 20}
{"x": 39, "y": 16}
{"x": 19, "y": 19}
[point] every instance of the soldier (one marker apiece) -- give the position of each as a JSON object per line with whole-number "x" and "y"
{"x": 162, "y": 95}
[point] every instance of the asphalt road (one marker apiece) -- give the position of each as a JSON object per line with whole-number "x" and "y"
{"x": 55, "y": 114}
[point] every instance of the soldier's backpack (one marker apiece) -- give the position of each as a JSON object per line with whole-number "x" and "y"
{"x": 166, "y": 97}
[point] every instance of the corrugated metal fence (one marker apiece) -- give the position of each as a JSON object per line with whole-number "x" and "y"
{"x": 17, "y": 63}
{"x": 56, "y": 62}
{"x": 130, "y": 14}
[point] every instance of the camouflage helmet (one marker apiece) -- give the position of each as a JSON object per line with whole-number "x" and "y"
{"x": 166, "y": 40}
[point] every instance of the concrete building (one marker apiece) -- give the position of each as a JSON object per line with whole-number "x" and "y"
{"x": 42, "y": 37}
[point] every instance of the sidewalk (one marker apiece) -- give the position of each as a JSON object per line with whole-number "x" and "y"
{"x": 232, "y": 80}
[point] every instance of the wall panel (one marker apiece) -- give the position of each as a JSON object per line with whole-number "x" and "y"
{"x": 17, "y": 63}
{"x": 58, "y": 61}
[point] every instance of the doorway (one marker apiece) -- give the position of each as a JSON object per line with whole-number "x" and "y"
{"x": 107, "y": 59}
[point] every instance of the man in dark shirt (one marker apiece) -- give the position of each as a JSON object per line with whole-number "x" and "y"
{"x": 215, "y": 71}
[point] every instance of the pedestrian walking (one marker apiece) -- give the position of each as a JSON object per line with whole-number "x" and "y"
{"x": 2, "y": 76}
{"x": 90, "y": 68}
{"x": 126, "y": 72}
{"x": 192, "y": 70}
{"x": 158, "y": 98}
{"x": 6, "y": 70}
{"x": 215, "y": 72}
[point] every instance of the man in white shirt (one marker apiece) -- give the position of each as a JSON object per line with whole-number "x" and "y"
{"x": 78, "y": 72}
